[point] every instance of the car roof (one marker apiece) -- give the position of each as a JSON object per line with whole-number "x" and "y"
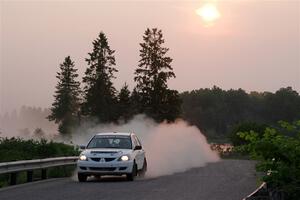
{"x": 115, "y": 133}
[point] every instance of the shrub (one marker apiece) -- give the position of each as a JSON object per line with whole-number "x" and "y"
{"x": 13, "y": 149}
{"x": 245, "y": 127}
{"x": 278, "y": 155}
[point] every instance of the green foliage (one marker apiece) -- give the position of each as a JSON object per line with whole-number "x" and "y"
{"x": 99, "y": 93}
{"x": 65, "y": 108}
{"x": 216, "y": 111}
{"x": 4, "y": 178}
{"x": 278, "y": 155}
{"x": 245, "y": 127}
{"x": 13, "y": 149}
{"x": 151, "y": 76}
{"x": 61, "y": 171}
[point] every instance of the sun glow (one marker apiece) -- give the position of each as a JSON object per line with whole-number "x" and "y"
{"x": 208, "y": 12}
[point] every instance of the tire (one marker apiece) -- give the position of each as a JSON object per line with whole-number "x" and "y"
{"x": 144, "y": 169}
{"x": 81, "y": 177}
{"x": 132, "y": 175}
{"x": 97, "y": 177}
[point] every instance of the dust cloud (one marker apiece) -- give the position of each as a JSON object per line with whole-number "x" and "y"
{"x": 170, "y": 148}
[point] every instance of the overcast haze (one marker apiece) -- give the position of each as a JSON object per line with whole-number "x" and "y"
{"x": 255, "y": 45}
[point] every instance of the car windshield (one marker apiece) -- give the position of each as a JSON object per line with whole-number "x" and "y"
{"x": 110, "y": 141}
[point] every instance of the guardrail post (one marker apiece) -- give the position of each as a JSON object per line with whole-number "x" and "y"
{"x": 44, "y": 173}
{"x": 29, "y": 176}
{"x": 12, "y": 169}
{"x": 13, "y": 178}
{"x": 65, "y": 170}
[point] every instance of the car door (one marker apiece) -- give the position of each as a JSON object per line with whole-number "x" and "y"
{"x": 140, "y": 154}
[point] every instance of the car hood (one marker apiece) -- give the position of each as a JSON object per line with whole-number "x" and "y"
{"x": 101, "y": 152}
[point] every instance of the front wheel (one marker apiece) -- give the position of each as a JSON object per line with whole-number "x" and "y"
{"x": 81, "y": 177}
{"x": 133, "y": 174}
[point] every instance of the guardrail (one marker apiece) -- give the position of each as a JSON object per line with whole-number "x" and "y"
{"x": 259, "y": 194}
{"x": 265, "y": 193}
{"x": 29, "y": 165}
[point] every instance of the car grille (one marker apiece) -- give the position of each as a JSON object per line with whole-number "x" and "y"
{"x": 110, "y": 169}
{"x": 106, "y": 159}
{"x": 104, "y": 152}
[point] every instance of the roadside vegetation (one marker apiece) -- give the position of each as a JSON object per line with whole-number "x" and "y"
{"x": 277, "y": 150}
{"x": 13, "y": 149}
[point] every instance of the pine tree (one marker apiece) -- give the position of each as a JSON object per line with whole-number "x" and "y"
{"x": 99, "y": 93}
{"x": 124, "y": 103}
{"x": 136, "y": 101}
{"x": 65, "y": 109}
{"x": 151, "y": 76}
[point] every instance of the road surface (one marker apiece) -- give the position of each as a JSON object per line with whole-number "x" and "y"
{"x": 224, "y": 180}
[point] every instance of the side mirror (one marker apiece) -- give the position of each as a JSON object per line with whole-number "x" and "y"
{"x": 82, "y": 147}
{"x": 138, "y": 148}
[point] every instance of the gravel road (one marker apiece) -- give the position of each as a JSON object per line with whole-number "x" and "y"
{"x": 224, "y": 180}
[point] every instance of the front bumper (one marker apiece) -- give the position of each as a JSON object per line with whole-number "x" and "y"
{"x": 104, "y": 168}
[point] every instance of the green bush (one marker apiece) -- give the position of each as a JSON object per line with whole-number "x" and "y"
{"x": 278, "y": 154}
{"x": 13, "y": 149}
{"x": 245, "y": 127}
{"x": 61, "y": 171}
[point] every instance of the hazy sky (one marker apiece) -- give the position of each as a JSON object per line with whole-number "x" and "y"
{"x": 254, "y": 45}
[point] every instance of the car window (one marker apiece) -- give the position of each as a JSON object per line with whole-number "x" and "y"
{"x": 136, "y": 140}
{"x": 107, "y": 141}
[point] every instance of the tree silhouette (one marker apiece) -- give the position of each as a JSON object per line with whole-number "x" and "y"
{"x": 65, "y": 107}
{"x": 99, "y": 93}
{"x": 124, "y": 103}
{"x": 151, "y": 76}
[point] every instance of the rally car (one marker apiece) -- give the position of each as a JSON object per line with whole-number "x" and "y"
{"x": 112, "y": 154}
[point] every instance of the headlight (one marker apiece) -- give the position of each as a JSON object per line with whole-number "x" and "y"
{"x": 124, "y": 158}
{"x": 82, "y": 157}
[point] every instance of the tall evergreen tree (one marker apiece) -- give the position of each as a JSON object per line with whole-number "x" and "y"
{"x": 65, "y": 108}
{"x": 99, "y": 93}
{"x": 124, "y": 103}
{"x": 151, "y": 76}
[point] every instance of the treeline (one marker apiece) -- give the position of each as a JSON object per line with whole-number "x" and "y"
{"x": 26, "y": 122}
{"x": 96, "y": 97}
{"x": 216, "y": 111}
